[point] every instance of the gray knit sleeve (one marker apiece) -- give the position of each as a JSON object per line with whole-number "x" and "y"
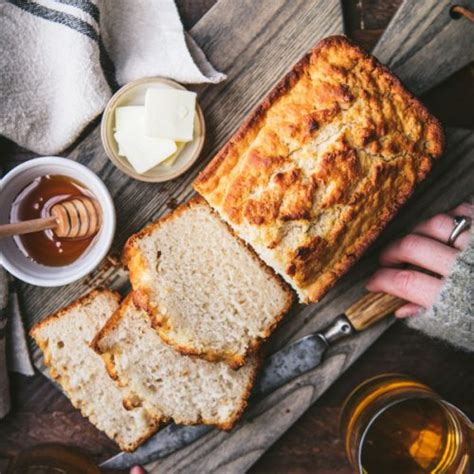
{"x": 451, "y": 318}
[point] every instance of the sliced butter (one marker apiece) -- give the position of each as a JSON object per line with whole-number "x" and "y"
{"x": 169, "y": 113}
{"x": 141, "y": 151}
{"x": 171, "y": 160}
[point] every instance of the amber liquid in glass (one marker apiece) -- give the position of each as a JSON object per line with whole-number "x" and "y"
{"x": 394, "y": 424}
{"x": 412, "y": 436}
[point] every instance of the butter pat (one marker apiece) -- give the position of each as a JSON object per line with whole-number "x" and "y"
{"x": 143, "y": 152}
{"x": 169, "y": 113}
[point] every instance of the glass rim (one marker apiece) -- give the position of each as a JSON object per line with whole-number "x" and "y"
{"x": 453, "y": 413}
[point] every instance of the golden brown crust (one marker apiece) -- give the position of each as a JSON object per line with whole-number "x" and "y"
{"x": 334, "y": 150}
{"x": 43, "y": 345}
{"x": 139, "y": 299}
{"x": 154, "y": 427}
{"x": 137, "y": 267}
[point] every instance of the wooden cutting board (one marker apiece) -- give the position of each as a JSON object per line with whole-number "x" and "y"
{"x": 424, "y": 44}
{"x": 255, "y": 43}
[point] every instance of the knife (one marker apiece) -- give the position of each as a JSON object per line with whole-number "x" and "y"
{"x": 284, "y": 365}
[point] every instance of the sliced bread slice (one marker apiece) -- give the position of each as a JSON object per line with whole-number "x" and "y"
{"x": 185, "y": 388}
{"x": 208, "y": 294}
{"x": 64, "y": 338}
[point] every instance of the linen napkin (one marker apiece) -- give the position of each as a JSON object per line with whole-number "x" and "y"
{"x": 18, "y": 355}
{"x": 14, "y": 354}
{"x": 61, "y": 60}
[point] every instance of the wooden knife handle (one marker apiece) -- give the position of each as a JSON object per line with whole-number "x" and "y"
{"x": 372, "y": 308}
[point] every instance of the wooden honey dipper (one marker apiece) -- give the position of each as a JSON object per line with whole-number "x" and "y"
{"x": 76, "y": 218}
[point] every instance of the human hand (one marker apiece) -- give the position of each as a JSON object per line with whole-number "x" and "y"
{"x": 426, "y": 248}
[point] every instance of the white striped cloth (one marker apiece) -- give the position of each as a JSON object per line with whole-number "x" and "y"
{"x": 60, "y": 61}
{"x": 14, "y": 354}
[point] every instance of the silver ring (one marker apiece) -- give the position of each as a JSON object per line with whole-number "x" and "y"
{"x": 461, "y": 223}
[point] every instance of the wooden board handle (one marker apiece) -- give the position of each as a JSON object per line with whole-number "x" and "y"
{"x": 372, "y": 308}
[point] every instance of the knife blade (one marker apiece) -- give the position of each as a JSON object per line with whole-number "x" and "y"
{"x": 294, "y": 360}
{"x": 299, "y": 357}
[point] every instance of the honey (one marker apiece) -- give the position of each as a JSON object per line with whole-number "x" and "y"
{"x": 35, "y": 201}
{"x": 413, "y": 436}
{"x": 393, "y": 424}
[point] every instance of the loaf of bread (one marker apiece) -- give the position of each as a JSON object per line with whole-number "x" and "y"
{"x": 64, "y": 338}
{"x": 163, "y": 381}
{"x": 206, "y": 292}
{"x": 319, "y": 168}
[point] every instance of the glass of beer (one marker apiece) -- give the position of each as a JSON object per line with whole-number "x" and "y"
{"x": 394, "y": 424}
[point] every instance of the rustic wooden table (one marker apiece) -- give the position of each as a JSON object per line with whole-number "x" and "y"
{"x": 42, "y": 414}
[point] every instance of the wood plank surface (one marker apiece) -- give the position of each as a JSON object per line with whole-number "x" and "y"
{"x": 424, "y": 45}
{"x": 299, "y": 438}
